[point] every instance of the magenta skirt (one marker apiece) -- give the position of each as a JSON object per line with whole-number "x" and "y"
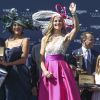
{"x": 62, "y": 86}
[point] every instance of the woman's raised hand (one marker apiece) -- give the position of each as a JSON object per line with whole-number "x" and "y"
{"x": 72, "y": 8}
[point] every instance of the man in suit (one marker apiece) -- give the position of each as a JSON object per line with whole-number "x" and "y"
{"x": 36, "y": 56}
{"x": 88, "y": 58}
{"x": 87, "y": 40}
{"x": 36, "y": 70}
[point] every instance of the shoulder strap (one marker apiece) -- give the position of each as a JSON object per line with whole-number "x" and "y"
{"x": 22, "y": 43}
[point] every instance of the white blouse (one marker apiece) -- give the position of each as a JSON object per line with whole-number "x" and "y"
{"x": 57, "y": 46}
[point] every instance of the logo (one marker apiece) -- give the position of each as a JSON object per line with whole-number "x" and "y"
{"x": 82, "y": 28}
{"x": 96, "y": 13}
{"x": 95, "y": 27}
{"x": 77, "y": 40}
{"x": 81, "y": 11}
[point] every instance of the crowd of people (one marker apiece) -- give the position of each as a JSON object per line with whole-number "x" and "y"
{"x": 51, "y": 76}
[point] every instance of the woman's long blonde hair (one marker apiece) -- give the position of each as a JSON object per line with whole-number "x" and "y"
{"x": 97, "y": 65}
{"x": 50, "y": 31}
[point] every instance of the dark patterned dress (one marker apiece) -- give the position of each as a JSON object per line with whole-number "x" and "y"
{"x": 18, "y": 81}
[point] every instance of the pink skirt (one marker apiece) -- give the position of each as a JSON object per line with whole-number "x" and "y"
{"x": 62, "y": 86}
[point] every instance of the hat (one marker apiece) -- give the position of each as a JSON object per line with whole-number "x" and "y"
{"x": 13, "y": 17}
{"x": 20, "y": 22}
{"x": 42, "y": 19}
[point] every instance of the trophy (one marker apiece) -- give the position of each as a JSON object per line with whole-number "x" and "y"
{"x": 84, "y": 79}
{"x": 3, "y": 72}
{"x": 79, "y": 60}
{"x": 1, "y": 53}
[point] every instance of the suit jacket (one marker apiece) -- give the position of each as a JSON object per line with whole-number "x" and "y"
{"x": 36, "y": 53}
{"x": 35, "y": 59}
{"x": 94, "y": 54}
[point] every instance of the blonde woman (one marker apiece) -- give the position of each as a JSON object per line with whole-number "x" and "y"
{"x": 96, "y": 93}
{"x": 57, "y": 80}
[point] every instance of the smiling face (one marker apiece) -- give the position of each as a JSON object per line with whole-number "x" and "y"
{"x": 89, "y": 41}
{"x": 17, "y": 28}
{"x": 58, "y": 23}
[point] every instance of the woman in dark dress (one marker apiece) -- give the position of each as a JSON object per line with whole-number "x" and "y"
{"x": 18, "y": 81}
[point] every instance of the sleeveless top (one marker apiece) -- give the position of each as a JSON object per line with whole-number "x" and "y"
{"x": 14, "y": 53}
{"x": 19, "y": 78}
{"x": 57, "y": 46}
{"x": 97, "y": 78}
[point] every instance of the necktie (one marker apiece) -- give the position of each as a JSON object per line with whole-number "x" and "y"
{"x": 88, "y": 62}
